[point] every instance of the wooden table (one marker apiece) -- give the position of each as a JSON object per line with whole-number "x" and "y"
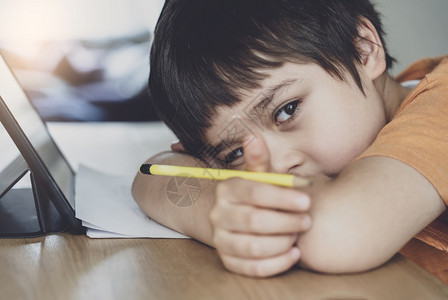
{"x": 63, "y": 266}
{"x": 77, "y": 267}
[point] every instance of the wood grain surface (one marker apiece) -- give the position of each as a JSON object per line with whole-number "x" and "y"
{"x": 64, "y": 266}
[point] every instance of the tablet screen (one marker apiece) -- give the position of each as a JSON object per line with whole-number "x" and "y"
{"x": 36, "y": 132}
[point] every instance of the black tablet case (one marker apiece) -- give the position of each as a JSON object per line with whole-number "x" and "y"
{"x": 34, "y": 211}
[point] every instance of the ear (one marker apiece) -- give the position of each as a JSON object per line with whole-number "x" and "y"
{"x": 370, "y": 47}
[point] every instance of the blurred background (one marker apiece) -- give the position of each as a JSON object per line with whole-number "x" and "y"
{"x": 87, "y": 60}
{"x": 81, "y": 60}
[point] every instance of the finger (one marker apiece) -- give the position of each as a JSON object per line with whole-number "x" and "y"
{"x": 252, "y": 246}
{"x": 177, "y": 146}
{"x": 262, "y": 267}
{"x": 256, "y": 154}
{"x": 240, "y": 191}
{"x": 263, "y": 221}
{"x": 249, "y": 219}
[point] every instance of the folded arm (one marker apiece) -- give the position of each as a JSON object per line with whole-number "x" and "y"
{"x": 359, "y": 219}
{"x": 363, "y": 217}
{"x": 150, "y": 192}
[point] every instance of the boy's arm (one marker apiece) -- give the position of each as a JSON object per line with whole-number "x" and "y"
{"x": 360, "y": 219}
{"x": 150, "y": 192}
{"x": 283, "y": 225}
{"x": 367, "y": 214}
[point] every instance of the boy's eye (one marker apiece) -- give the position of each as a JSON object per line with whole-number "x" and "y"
{"x": 233, "y": 157}
{"x": 285, "y": 113}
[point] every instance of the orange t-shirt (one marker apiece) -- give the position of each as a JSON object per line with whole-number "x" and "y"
{"x": 418, "y": 133}
{"x": 418, "y": 136}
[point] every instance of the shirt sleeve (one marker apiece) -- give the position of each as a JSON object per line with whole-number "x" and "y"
{"x": 418, "y": 133}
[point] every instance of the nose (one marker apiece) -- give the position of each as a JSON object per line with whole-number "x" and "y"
{"x": 284, "y": 158}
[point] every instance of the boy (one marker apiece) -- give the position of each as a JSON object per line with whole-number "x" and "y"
{"x": 297, "y": 87}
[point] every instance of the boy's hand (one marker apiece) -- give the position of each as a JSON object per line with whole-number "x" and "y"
{"x": 256, "y": 225}
{"x": 177, "y": 146}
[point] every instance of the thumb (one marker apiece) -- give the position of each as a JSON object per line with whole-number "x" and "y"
{"x": 256, "y": 154}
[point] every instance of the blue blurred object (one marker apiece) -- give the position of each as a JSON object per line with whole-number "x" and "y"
{"x": 87, "y": 80}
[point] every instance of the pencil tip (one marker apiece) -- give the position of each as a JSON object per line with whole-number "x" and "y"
{"x": 145, "y": 169}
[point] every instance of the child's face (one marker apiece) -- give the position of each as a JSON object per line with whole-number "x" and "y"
{"x": 313, "y": 123}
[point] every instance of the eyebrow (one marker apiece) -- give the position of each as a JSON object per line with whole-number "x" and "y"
{"x": 267, "y": 97}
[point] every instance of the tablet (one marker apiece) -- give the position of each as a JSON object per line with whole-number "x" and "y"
{"x": 52, "y": 176}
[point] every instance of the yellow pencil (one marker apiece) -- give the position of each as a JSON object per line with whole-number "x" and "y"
{"x": 286, "y": 180}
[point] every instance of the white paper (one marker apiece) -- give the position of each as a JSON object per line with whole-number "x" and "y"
{"x": 105, "y": 205}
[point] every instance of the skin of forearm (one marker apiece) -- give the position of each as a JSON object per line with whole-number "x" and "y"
{"x": 150, "y": 193}
{"x": 363, "y": 217}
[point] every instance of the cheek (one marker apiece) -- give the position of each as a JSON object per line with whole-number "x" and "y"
{"x": 337, "y": 146}
{"x": 333, "y": 154}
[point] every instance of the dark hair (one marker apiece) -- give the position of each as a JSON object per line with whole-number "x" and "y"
{"x": 207, "y": 51}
